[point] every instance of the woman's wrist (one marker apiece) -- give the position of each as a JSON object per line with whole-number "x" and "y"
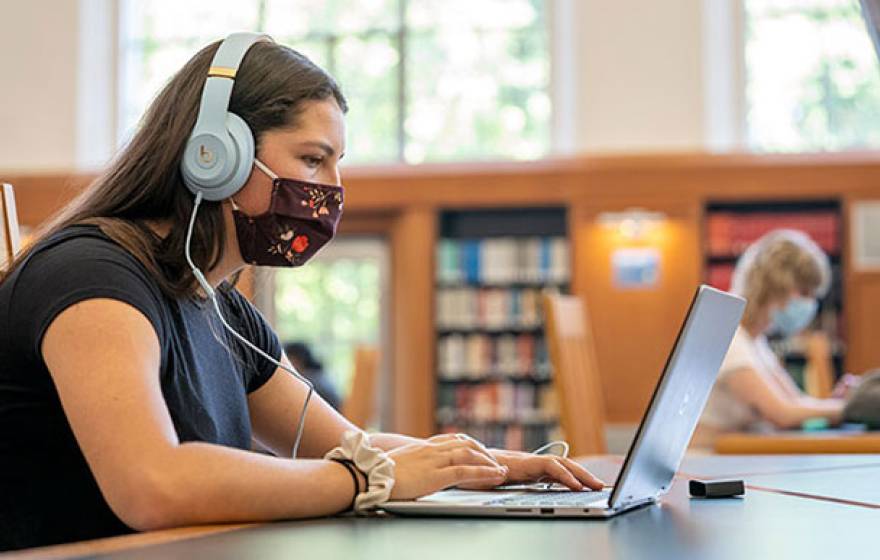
{"x": 374, "y": 463}
{"x": 356, "y": 479}
{"x": 362, "y": 479}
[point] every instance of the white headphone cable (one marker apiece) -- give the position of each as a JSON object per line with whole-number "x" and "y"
{"x": 209, "y": 290}
{"x": 546, "y": 447}
{"x": 559, "y": 443}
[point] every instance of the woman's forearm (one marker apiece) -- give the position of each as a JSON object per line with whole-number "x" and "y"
{"x": 199, "y": 483}
{"x": 832, "y": 409}
{"x": 805, "y": 408}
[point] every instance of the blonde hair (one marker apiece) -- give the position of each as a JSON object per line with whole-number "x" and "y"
{"x": 774, "y": 266}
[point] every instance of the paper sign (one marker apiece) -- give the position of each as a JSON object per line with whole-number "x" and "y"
{"x": 636, "y": 269}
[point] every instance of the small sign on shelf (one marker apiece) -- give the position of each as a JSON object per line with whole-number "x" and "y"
{"x": 636, "y": 268}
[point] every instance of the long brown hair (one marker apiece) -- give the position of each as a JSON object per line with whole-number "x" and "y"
{"x": 144, "y": 184}
{"x": 779, "y": 263}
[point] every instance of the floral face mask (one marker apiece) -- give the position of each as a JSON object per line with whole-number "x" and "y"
{"x": 302, "y": 218}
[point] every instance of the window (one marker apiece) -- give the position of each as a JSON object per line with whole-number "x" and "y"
{"x": 812, "y": 80}
{"x": 335, "y": 303}
{"x": 427, "y": 80}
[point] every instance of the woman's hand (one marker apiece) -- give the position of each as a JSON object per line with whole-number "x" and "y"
{"x": 528, "y": 467}
{"x": 440, "y": 462}
{"x": 845, "y": 386}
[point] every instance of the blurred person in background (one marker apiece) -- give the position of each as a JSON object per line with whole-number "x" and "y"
{"x": 305, "y": 362}
{"x": 782, "y": 275}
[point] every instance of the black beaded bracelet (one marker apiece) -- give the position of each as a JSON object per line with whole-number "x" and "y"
{"x": 349, "y": 466}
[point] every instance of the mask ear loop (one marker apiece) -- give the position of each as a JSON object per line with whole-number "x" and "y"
{"x": 212, "y": 294}
{"x": 265, "y": 169}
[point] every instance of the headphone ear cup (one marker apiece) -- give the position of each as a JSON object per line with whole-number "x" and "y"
{"x": 218, "y": 165}
{"x": 205, "y": 166}
{"x": 243, "y": 164}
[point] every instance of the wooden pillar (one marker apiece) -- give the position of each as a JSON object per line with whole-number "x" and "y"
{"x": 413, "y": 240}
{"x": 861, "y": 294}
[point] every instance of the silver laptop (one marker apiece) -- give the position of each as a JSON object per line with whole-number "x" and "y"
{"x": 657, "y": 449}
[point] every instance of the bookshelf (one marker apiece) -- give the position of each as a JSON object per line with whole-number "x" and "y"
{"x": 732, "y": 226}
{"x": 493, "y": 370}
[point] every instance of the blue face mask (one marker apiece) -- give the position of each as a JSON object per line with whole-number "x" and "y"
{"x": 795, "y": 316}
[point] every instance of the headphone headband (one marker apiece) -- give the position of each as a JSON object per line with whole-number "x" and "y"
{"x": 219, "y": 154}
{"x": 221, "y": 77}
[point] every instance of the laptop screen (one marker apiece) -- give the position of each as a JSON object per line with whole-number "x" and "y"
{"x": 679, "y": 397}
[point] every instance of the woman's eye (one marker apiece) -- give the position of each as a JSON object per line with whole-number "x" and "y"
{"x": 312, "y": 161}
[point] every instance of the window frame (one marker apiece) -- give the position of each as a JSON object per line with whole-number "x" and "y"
{"x": 399, "y": 36}
{"x": 738, "y": 24}
{"x": 371, "y": 246}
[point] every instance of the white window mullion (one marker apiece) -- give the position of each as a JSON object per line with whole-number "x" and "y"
{"x": 562, "y": 21}
{"x": 97, "y": 93}
{"x": 724, "y": 84}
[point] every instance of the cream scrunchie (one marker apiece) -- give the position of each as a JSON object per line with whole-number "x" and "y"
{"x": 373, "y": 462}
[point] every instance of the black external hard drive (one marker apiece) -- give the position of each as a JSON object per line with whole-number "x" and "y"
{"x": 716, "y": 488}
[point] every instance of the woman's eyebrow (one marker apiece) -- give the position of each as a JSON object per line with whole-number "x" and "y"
{"x": 327, "y": 148}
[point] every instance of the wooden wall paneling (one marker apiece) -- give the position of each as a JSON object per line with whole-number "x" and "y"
{"x": 631, "y": 335}
{"x": 522, "y": 189}
{"x": 548, "y": 182}
{"x": 634, "y": 329}
{"x": 413, "y": 238}
{"x": 737, "y": 176}
{"x": 861, "y": 292}
{"x": 862, "y": 330}
{"x": 357, "y": 222}
{"x": 39, "y": 196}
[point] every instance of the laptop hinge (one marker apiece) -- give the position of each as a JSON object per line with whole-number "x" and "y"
{"x": 633, "y": 504}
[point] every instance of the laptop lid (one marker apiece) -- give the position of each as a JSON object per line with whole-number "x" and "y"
{"x": 679, "y": 397}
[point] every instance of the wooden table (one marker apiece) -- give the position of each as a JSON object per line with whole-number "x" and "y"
{"x": 829, "y": 441}
{"x": 795, "y": 507}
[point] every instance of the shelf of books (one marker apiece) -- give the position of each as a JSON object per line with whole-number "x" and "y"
{"x": 493, "y": 371}
{"x": 731, "y": 227}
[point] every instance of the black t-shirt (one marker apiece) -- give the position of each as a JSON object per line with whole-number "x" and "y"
{"x": 47, "y": 492}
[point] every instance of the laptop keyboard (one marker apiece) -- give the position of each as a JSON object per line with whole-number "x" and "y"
{"x": 551, "y": 499}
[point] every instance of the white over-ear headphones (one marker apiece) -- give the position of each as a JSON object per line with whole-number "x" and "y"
{"x": 219, "y": 154}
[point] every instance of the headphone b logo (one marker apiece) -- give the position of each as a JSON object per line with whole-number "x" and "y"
{"x": 205, "y": 155}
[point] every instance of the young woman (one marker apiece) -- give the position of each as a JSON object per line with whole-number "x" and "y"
{"x": 126, "y": 404}
{"x": 781, "y": 275}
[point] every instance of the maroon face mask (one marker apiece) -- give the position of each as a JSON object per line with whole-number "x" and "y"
{"x": 302, "y": 218}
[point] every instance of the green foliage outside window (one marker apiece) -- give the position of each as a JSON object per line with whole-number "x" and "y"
{"x": 812, "y": 76}
{"x": 427, "y": 80}
{"x": 332, "y": 305}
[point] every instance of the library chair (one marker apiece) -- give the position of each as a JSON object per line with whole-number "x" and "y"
{"x": 575, "y": 374}
{"x": 360, "y": 405}
{"x": 10, "y": 240}
{"x": 819, "y": 372}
